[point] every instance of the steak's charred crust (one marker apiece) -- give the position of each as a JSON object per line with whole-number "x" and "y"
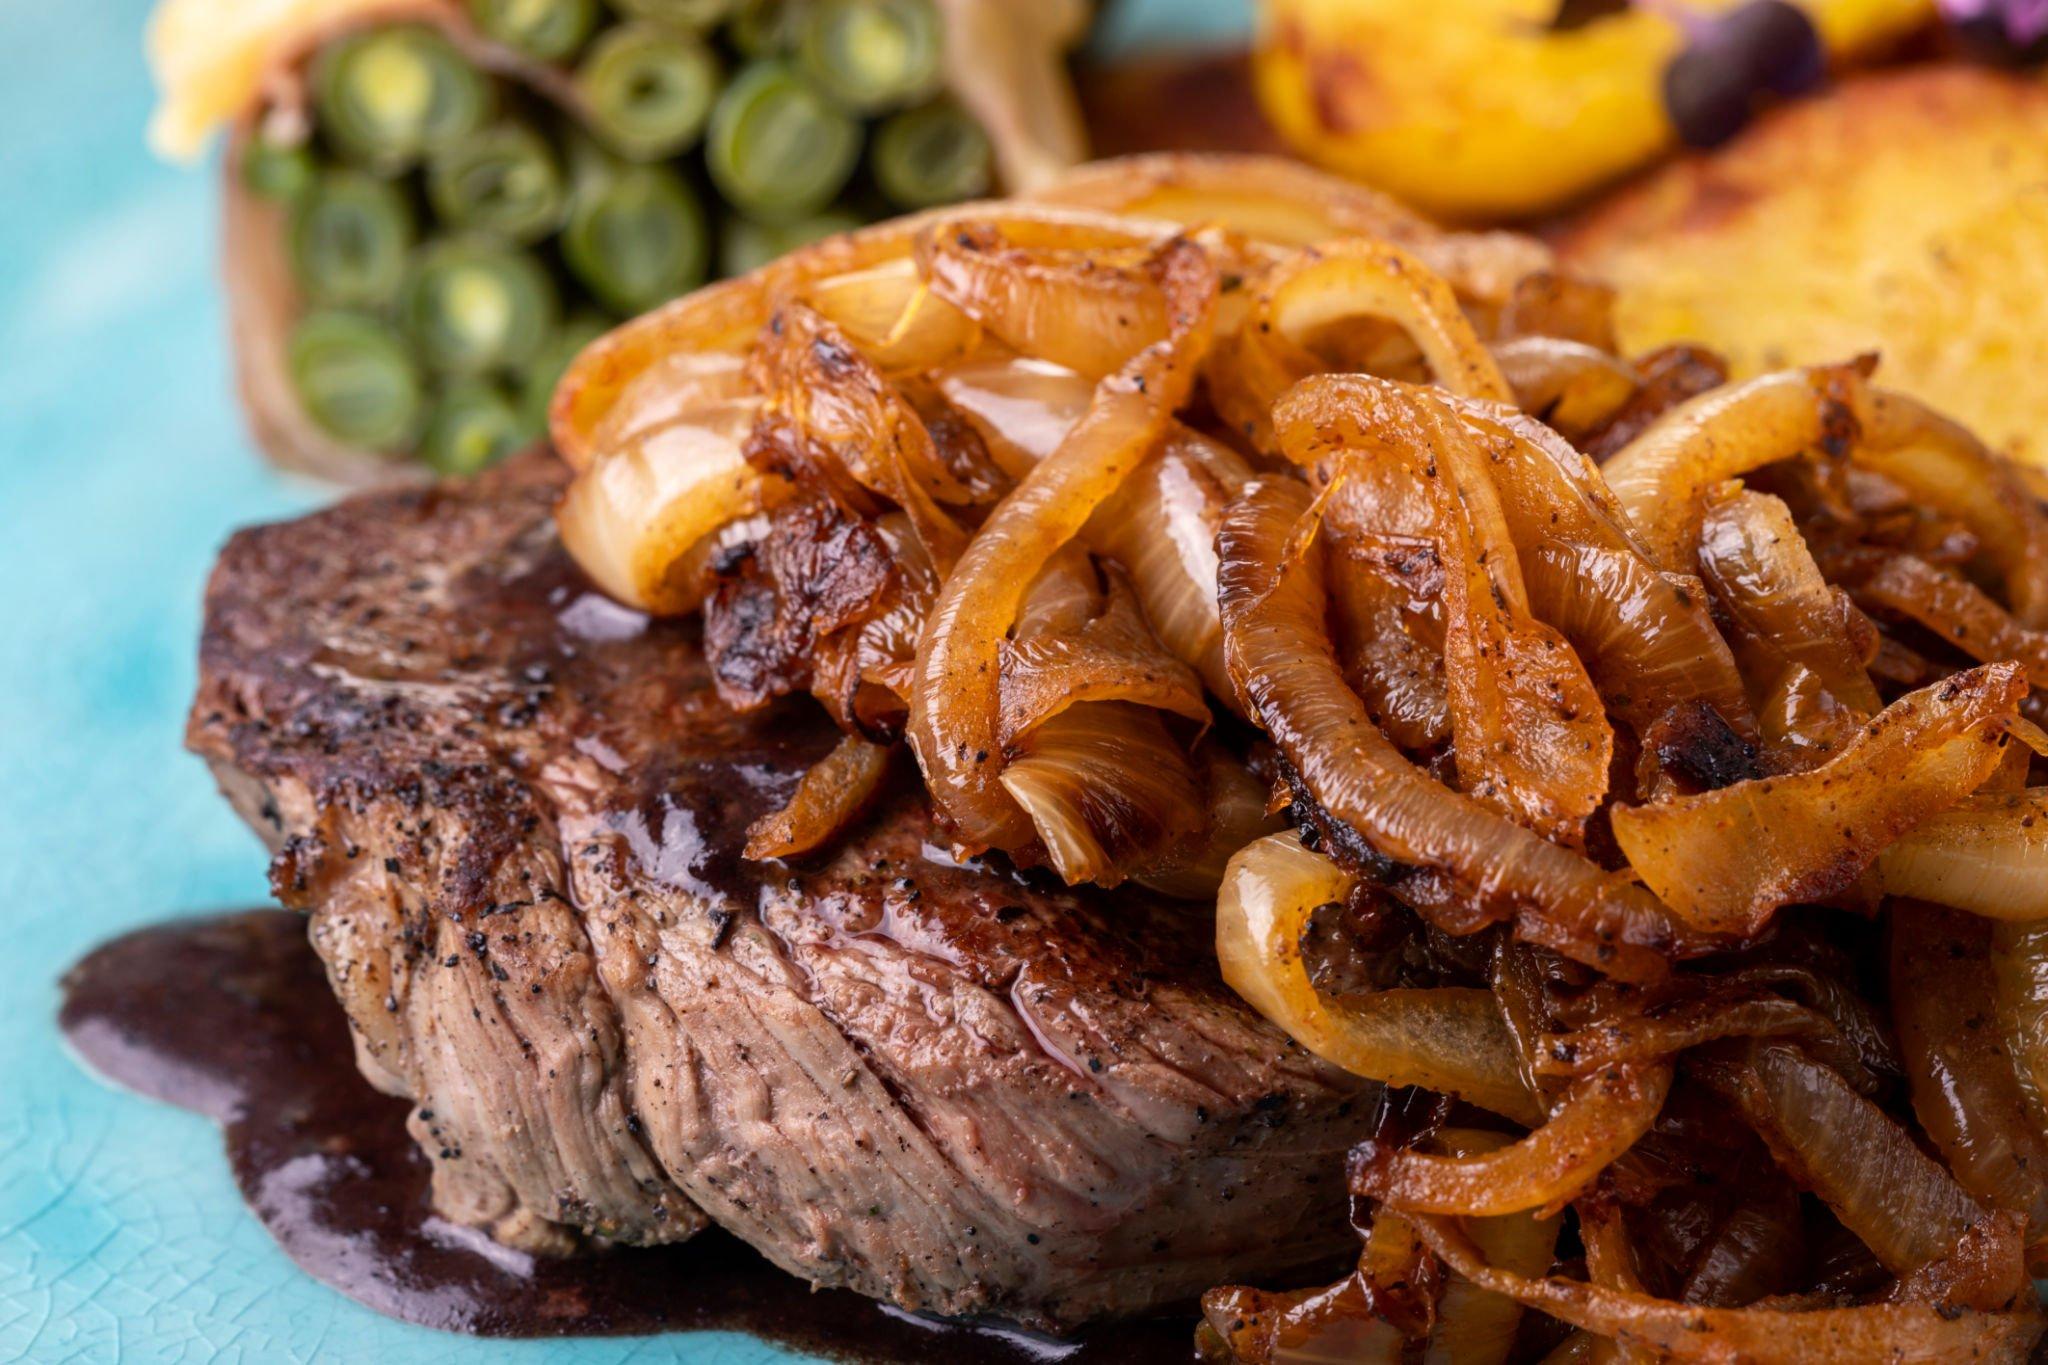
{"x": 514, "y": 810}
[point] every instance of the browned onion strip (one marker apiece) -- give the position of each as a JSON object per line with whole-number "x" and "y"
{"x": 1755, "y": 559}
{"x": 830, "y": 417}
{"x": 2019, "y": 972}
{"x": 1022, "y": 408}
{"x": 830, "y": 794}
{"x": 1943, "y": 467}
{"x": 1362, "y": 278}
{"x": 1987, "y": 855}
{"x": 1663, "y": 475}
{"x": 895, "y": 318}
{"x": 1724, "y": 860}
{"x": 1237, "y": 816}
{"x": 1476, "y": 1326}
{"x": 1088, "y": 314}
{"x": 1596, "y": 1119}
{"x": 1906, "y": 1334}
{"x": 1079, "y": 640}
{"x": 1161, "y": 527}
{"x": 1447, "y": 1039}
{"x": 1529, "y": 734}
{"x": 1907, "y": 1209}
{"x": 1966, "y": 1092}
{"x": 633, "y": 517}
{"x": 1645, "y": 1037}
{"x": 1958, "y": 611}
{"x": 1568, "y": 385}
{"x": 1281, "y": 660}
{"x": 1107, "y": 788}
{"x": 955, "y": 711}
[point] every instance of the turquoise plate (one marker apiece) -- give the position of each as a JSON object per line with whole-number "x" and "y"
{"x": 122, "y": 466}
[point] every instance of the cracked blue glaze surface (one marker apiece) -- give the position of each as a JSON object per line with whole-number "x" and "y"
{"x": 122, "y": 467}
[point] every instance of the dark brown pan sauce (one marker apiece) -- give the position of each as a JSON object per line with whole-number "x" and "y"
{"x": 231, "y": 1017}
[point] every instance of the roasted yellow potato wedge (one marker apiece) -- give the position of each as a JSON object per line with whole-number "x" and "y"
{"x": 1904, "y": 212}
{"x": 1488, "y": 109}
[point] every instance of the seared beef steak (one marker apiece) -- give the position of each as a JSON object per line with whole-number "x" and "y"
{"x": 514, "y": 811}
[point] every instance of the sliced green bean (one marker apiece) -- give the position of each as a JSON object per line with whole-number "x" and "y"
{"x": 765, "y": 28}
{"x": 872, "y": 55}
{"x": 546, "y": 30}
{"x": 778, "y": 149}
{"x": 472, "y": 425}
{"x": 933, "y": 154}
{"x": 474, "y": 305}
{"x": 636, "y": 237}
{"x": 747, "y": 245}
{"x": 696, "y": 15}
{"x": 386, "y": 96}
{"x": 355, "y": 379}
{"x": 348, "y": 240}
{"x": 504, "y": 180}
{"x": 647, "y": 90}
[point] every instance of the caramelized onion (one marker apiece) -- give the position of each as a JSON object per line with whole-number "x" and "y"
{"x": 1905, "y": 1207}
{"x": 1958, "y": 611}
{"x": 2019, "y": 973}
{"x": 1943, "y": 467}
{"x": 1107, "y": 788}
{"x": 1646, "y": 1037}
{"x": 954, "y": 716}
{"x": 1966, "y": 1091}
{"x": 1022, "y": 408}
{"x": 1569, "y": 385}
{"x": 1988, "y": 855}
{"x": 1725, "y": 859}
{"x": 830, "y": 794}
{"x": 1446, "y": 1039}
{"x": 1280, "y": 659}
{"x": 1237, "y": 815}
{"x": 1598, "y": 1117}
{"x": 633, "y": 517}
{"x": 1908, "y": 1334}
{"x": 1662, "y": 476}
{"x": 894, "y": 317}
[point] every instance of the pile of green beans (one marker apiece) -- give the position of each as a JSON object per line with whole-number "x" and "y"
{"x": 456, "y": 238}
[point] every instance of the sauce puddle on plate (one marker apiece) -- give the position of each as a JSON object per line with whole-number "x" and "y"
{"x": 231, "y": 1017}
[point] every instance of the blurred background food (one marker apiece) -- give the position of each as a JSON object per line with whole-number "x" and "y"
{"x": 431, "y": 206}
{"x": 1906, "y": 212}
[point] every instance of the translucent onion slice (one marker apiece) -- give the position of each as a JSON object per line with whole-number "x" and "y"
{"x": 1906, "y": 1334}
{"x": 2019, "y": 973}
{"x": 1907, "y": 1209}
{"x": 1755, "y": 559}
{"x": 831, "y": 418}
{"x": 1567, "y": 385}
{"x": 1966, "y": 1092}
{"x": 1022, "y": 408}
{"x": 667, "y": 392}
{"x": 1077, "y": 642}
{"x": 894, "y": 317}
{"x": 1529, "y": 734}
{"x": 828, "y": 797}
{"x": 1107, "y": 788}
{"x": 1598, "y": 1118}
{"x": 1476, "y": 1326}
{"x": 1449, "y": 1039}
{"x": 1662, "y": 476}
{"x": 955, "y": 711}
{"x": 1281, "y": 660}
{"x": 1944, "y": 468}
{"x": 1988, "y": 855}
{"x": 1087, "y": 313}
{"x": 634, "y": 516}
{"x": 1161, "y": 528}
{"x": 1664, "y": 1033}
{"x": 1957, "y": 610}
{"x": 1238, "y": 814}
{"x": 1362, "y": 278}
{"x": 1726, "y": 859}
